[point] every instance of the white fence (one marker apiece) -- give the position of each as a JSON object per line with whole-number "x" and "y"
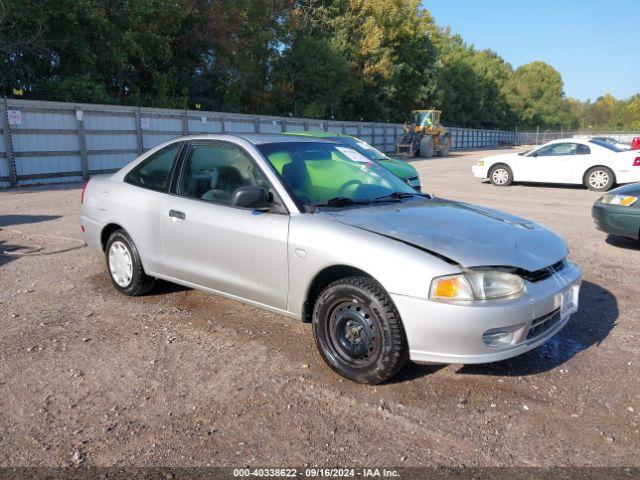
{"x": 50, "y": 142}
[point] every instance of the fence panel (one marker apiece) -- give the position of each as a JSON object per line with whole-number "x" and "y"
{"x": 61, "y": 142}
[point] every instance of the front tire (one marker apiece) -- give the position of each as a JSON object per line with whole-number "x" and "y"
{"x": 445, "y": 147}
{"x": 501, "y": 175}
{"x": 599, "y": 179}
{"x": 427, "y": 146}
{"x": 358, "y": 331}
{"x": 125, "y": 267}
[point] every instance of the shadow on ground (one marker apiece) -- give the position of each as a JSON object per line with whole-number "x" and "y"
{"x": 596, "y": 317}
{"x": 10, "y": 220}
{"x": 623, "y": 242}
{"x": 162, "y": 287}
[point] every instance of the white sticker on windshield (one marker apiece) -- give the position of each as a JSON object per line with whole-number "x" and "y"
{"x": 353, "y": 155}
{"x": 364, "y": 145}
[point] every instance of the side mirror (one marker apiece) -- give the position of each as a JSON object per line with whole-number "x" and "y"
{"x": 534, "y": 154}
{"x": 256, "y": 198}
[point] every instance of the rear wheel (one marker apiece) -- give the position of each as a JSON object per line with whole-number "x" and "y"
{"x": 445, "y": 147}
{"x": 599, "y": 179}
{"x": 124, "y": 265}
{"x": 427, "y": 147}
{"x": 358, "y": 330}
{"x": 501, "y": 175}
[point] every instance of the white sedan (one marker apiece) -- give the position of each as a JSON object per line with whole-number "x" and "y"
{"x": 596, "y": 164}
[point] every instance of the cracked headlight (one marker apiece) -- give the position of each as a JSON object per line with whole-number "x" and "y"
{"x": 476, "y": 285}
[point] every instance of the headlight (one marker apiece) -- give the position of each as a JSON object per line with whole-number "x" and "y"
{"x": 476, "y": 285}
{"x": 622, "y": 200}
{"x": 480, "y": 163}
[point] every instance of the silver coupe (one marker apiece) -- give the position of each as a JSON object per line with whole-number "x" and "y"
{"x": 314, "y": 230}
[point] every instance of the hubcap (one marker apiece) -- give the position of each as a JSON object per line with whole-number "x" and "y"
{"x": 120, "y": 264}
{"x": 353, "y": 334}
{"x": 500, "y": 176}
{"x": 599, "y": 179}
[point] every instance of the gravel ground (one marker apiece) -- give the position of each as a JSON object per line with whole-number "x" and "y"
{"x": 180, "y": 377}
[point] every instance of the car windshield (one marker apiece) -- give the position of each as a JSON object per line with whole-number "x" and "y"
{"x": 328, "y": 174}
{"x": 364, "y": 148}
{"x": 607, "y": 145}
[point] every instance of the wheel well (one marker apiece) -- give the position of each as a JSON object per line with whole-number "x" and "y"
{"x": 499, "y": 164}
{"x": 584, "y": 176}
{"x": 106, "y": 233}
{"x": 324, "y": 278}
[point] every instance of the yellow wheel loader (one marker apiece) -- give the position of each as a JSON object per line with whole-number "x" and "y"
{"x": 424, "y": 137}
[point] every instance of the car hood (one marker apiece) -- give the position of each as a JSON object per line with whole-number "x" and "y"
{"x": 469, "y": 235}
{"x": 398, "y": 167}
{"x": 502, "y": 157}
{"x": 631, "y": 189}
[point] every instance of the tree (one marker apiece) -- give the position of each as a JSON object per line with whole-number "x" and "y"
{"x": 536, "y": 94}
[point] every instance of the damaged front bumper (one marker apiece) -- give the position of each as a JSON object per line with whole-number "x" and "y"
{"x": 490, "y": 330}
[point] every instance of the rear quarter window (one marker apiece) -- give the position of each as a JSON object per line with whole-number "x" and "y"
{"x": 154, "y": 172}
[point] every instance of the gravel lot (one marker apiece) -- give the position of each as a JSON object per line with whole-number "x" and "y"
{"x": 180, "y": 377}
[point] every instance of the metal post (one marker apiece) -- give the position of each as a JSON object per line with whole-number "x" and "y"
{"x": 284, "y": 124}
{"x": 359, "y": 130}
{"x": 257, "y": 120}
{"x": 82, "y": 141}
{"x": 537, "y": 133}
{"x": 185, "y": 123}
{"x": 139, "y": 139}
{"x": 223, "y": 120}
{"x": 384, "y": 142}
{"x": 8, "y": 144}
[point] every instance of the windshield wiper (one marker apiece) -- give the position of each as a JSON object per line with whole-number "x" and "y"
{"x": 397, "y": 196}
{"x": 341, "y": 202}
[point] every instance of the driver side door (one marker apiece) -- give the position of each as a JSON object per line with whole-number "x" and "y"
{"x": 551, "y": 163}
{"x": 211, "y": 243}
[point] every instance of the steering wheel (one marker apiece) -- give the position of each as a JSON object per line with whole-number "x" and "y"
{"x": 350, "y": 183}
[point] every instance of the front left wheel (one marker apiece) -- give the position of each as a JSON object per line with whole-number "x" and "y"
{"x": 358, "y": 331}
{"x": 124, "y": 265}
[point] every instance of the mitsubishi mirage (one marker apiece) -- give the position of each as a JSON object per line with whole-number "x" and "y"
{"x": 314, "y": 230}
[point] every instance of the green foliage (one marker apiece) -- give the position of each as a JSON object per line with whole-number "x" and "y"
{"x": 342, "y": 59}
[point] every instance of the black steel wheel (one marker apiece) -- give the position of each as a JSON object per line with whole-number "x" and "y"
{"x": 358, "y": 330}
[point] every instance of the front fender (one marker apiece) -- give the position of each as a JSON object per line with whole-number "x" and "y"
{"x": 317, "y": 243}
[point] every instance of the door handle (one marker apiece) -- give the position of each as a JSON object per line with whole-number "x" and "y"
{"x": 177, "y": 214}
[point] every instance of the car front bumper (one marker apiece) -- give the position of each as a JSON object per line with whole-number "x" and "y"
{"x": 444, "y": 332}
{"x": 480, "y": 171}
{"x": 623, "y": 221}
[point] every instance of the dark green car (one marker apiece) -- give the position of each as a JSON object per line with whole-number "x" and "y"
{"x": 618, "y": 212}
{"x": 399, "y": 168}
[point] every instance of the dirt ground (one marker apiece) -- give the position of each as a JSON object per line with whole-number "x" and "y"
{"x": 184, "y": 378}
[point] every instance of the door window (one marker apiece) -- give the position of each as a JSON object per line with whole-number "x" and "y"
{"x": 154, "y": 172}
{"x": 557, "y": 149}
{"x": 213, "y": 172}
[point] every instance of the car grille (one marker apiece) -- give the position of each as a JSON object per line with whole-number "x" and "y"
{"x": 543, "y": 324}
{"x": 545, "y": 272}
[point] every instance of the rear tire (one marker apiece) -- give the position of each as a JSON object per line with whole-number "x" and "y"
{"x": 599, "y": 179}
{"x": 501, "y": 175}
{"x": 427, "y": 147}
{"x": 445, "y": 147}
{"x": 124, "y": 265}
{"x": 358, "y": 331}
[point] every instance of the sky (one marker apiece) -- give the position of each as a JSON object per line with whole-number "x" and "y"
{"x": 595, "y": 45}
